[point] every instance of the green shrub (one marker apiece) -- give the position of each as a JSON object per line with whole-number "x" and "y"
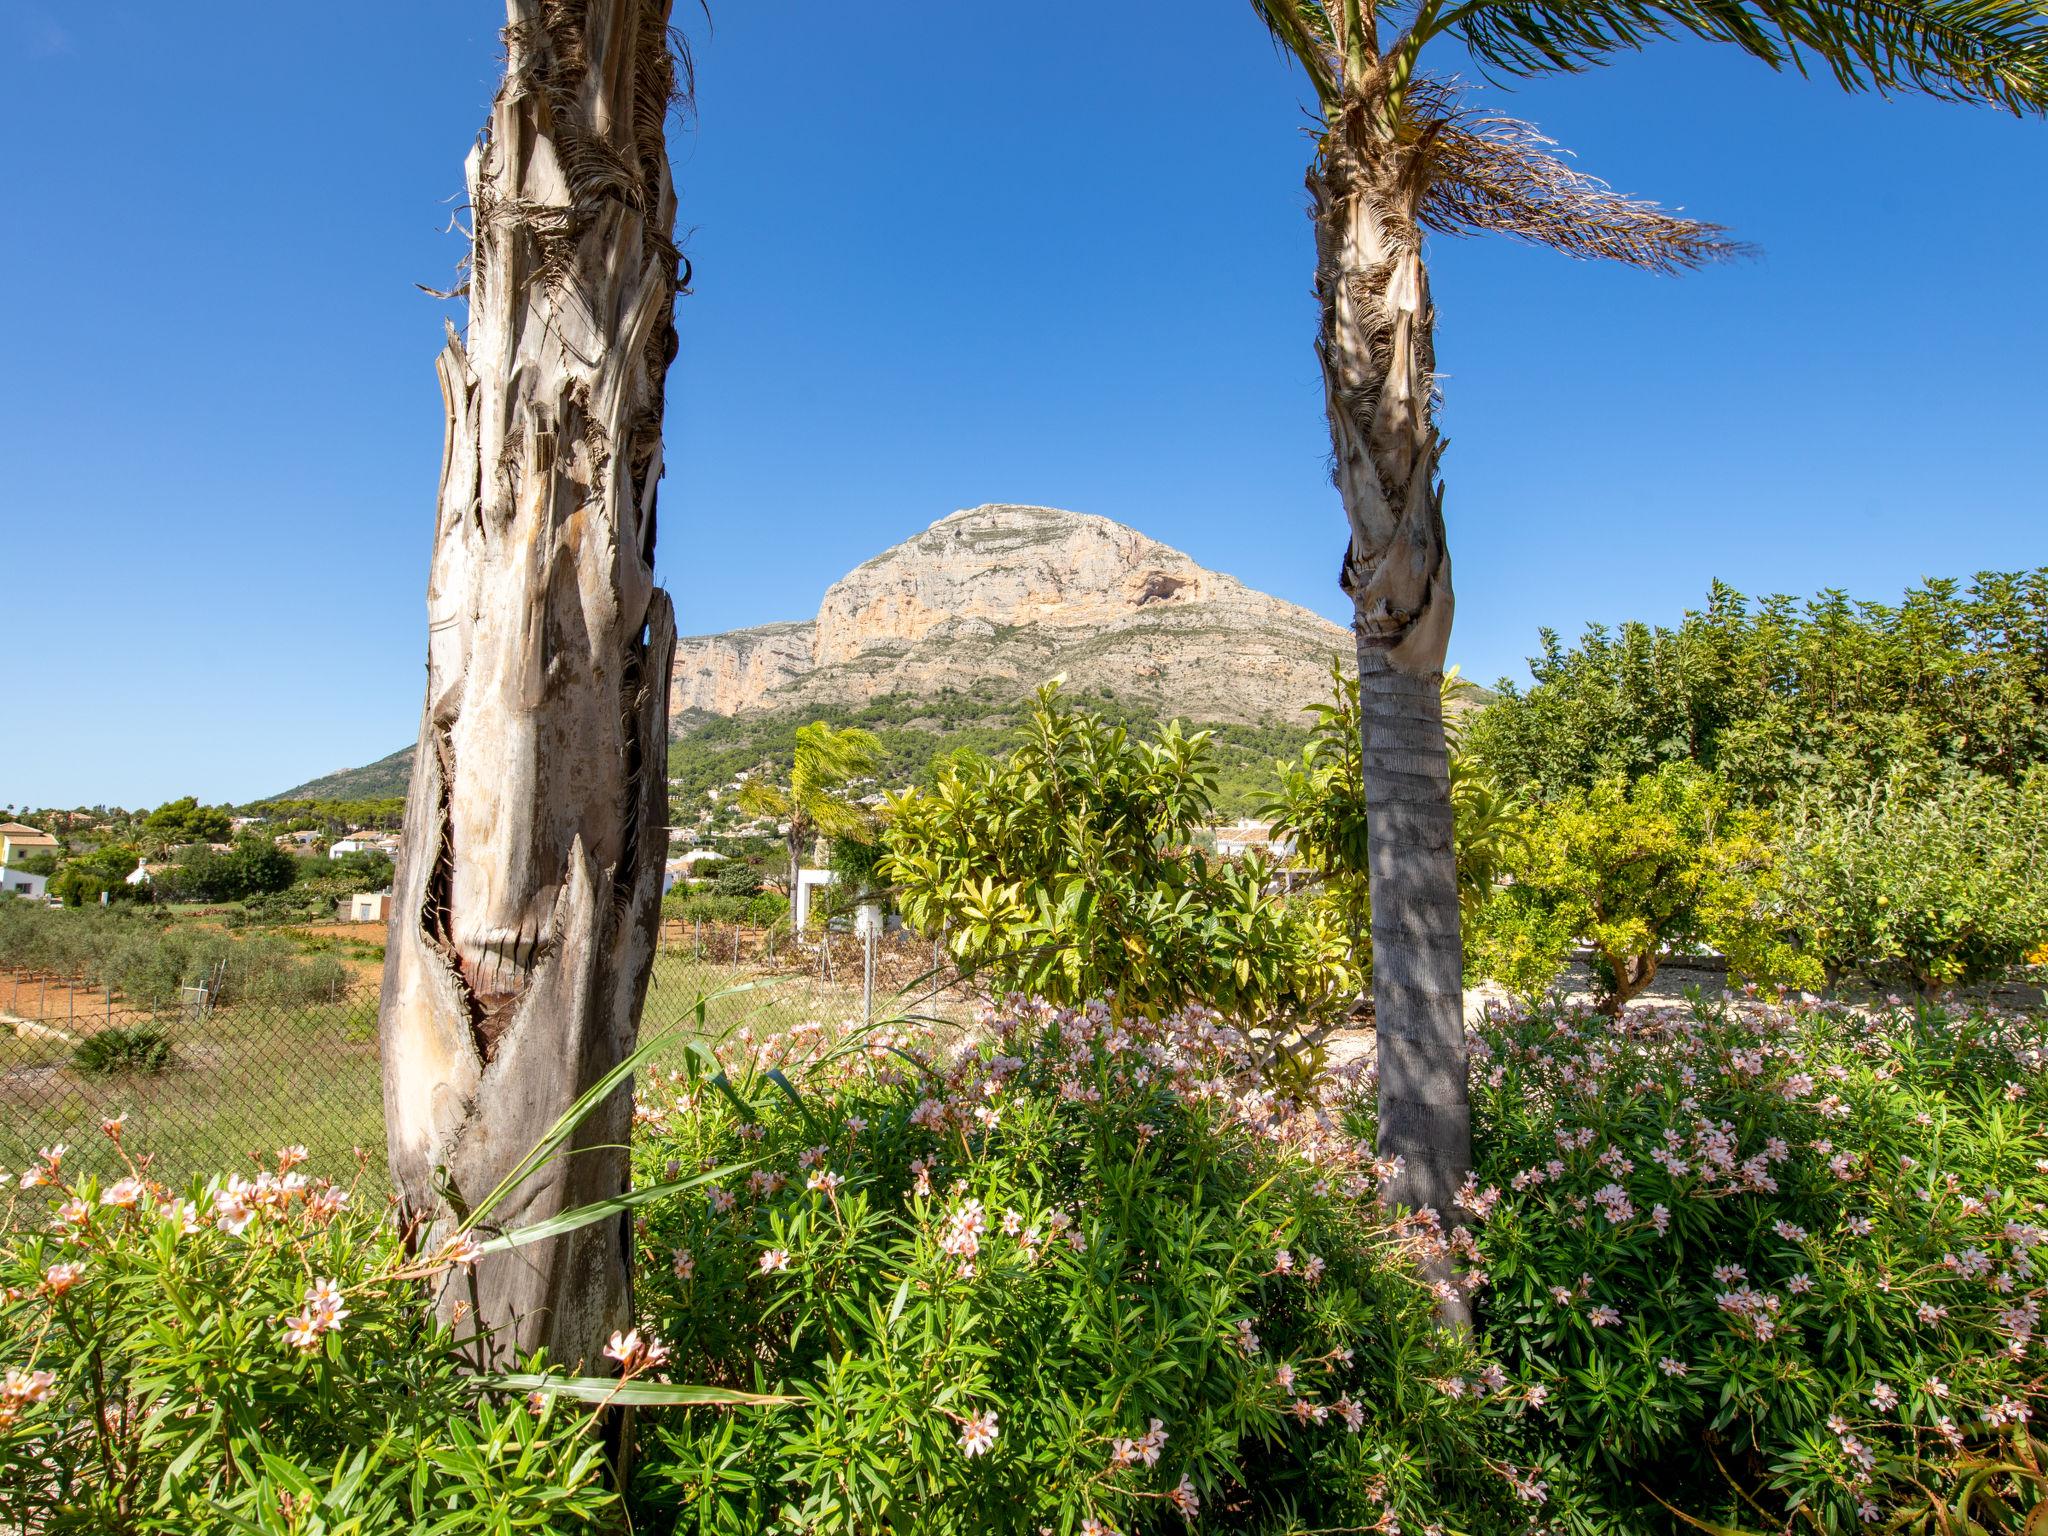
{"x": 1775, "y": 1266}
{"x": 1065, "y": 872}
{"x": 253, "y": 1356}
{"x": 764, "y": 909}
{"x": 735, "y": 877}
{"x": 1084, "y": 1277}
{"x": 142, "y": 1048}
{"x": 1917, "y": 884}
{"x": 1630, "y": 870}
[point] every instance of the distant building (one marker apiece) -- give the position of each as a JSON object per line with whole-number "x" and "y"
{"x": 305, "y": 840}
{"x": 675, "y": 871}
{"x": 1247, "y": 836}
{"x": 365, "y": 842}
{"x": 18, "y": 841}
{"x": 139, "y": 875}
{"x": 19, "y": 882}
{"x": 369, "y": 907}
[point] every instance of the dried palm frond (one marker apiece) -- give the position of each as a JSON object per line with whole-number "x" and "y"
{"x": 1488, "y": 174}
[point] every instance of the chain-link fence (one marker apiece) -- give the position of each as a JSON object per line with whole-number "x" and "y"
{"x": 223, "y": 1067}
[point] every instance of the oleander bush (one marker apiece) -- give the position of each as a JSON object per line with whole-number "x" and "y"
{"x": 1086, "y": 1276}
{"x": 253, "y": 1356}
{"x": 1770, "y": 1265}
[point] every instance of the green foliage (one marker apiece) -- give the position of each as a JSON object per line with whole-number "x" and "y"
{"x": 916, "y": 732}
{"x": 142, "y": 1048}
{"x": 148, "y": 959}
{"x": 732, "y": 877}
{"x": 763, "y": 909}
{"x": 36, "y": 863}
{"x": 106, "y": 869}
{"x": 1928, "y": 885}
{"x": 1629, "y": 869}
{"x": 186, "y": 821}
{"x": 1776, "y": 697}
{"x": 254, "y": 866}
{"x": 1062, "y": 1281}
{"x": 1066, "y": 872}
{"x": 254, "y": 1356}
{"x": 367, "y": 869}
{"x": 1787, "y": 1255}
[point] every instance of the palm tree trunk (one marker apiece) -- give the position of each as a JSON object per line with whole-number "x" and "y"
{"x": 1377, "y": 354}
{"x": 530, "y": 883}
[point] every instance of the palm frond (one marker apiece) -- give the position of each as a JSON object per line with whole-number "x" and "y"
{"x": 1302, "y": 29}
{"x": 1498, "y": 175}
{"x": 1993, "y": 52}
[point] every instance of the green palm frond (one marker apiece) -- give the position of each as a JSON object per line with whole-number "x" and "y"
{"x": 1302, "y": 28}
{"x": 1986, "y": 51}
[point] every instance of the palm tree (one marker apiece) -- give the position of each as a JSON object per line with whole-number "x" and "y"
{"x": 1400, "y": 151}
{"x": 523, "y": 930}
{"x": 814, "y": 802}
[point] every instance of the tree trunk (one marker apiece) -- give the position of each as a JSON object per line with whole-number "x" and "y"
{"x": 529, "y": 886}
{"x": 1378, "y": 361}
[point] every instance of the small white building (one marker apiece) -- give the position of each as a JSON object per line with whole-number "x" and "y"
{"x": 19, "y": 882}
{"x": 369, "y": 907}
{"x": 365, "y": 842}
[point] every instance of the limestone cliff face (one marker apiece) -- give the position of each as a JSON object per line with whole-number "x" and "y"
{"x": 1015, "y": 595}
{"x": 724, "y": 674}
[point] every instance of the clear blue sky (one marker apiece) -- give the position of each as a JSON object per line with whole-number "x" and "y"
{"x": 945, "y": 254}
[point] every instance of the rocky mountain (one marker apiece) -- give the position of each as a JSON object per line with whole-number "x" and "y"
{"x": 1007, "y": 596}
{"x": 939, "y": 638}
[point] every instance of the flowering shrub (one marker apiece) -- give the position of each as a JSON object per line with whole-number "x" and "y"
{"x": 1772, "y": 1262}
{"x": 250, "y": 1355}
{"x": 1088, "y": 1276}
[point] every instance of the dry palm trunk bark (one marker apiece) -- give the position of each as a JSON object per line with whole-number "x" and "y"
{"x": 1377, "y": 353}
{"x": 527, "y": 896}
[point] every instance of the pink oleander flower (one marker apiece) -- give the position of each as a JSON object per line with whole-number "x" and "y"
{"x": 59, "y": 1278}
{"x": 1603, "y": 1317}
{"x": 1935, "y": 1387}
{"x": 1671, "y": 1367}
{"x": 1283, "y": 1262}
{"x": 1884, "y": 1398}
{"x": 1182, "y": 1497}
{"x": 289, "y": 1158}
{"x": 73, "y": 1213}
{"x": 112, "y": 1128}
{"x": 634, "y": 1353}
{"x": 1094, "y": 1527}
{"x": 1352, "y": 1415}
{"x": 683, "y": 1264}
{"x": 824, "y": 1181}
{"x": 774, "y": 1259}
{"x": 978, "y": 1433}
{"x": 463, "y": 1250}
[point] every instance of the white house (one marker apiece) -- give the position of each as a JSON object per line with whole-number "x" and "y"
{"x": 139, "y": 875}
{"x": 19, "y": 882}
{"x": 365, "y": 842}
{"x": 677, "y": 870}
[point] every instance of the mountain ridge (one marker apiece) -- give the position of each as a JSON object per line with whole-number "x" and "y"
{"x": 987, "y": 603}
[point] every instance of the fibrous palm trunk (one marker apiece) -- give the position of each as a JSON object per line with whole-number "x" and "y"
{"x": 1377, "y": 357}
{"x": 523, "y": 930}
